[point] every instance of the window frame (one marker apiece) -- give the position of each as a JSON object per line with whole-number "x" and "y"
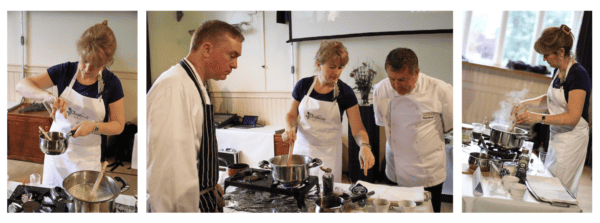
{"x": 541, "y": 16}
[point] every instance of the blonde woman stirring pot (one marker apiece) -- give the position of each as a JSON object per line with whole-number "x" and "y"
{"x": 567, "y": 101}
{"x": 317, "y": 109}
{"x": 89, "y": 95}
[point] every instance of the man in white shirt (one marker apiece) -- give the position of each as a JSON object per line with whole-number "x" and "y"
{"x": 182, "y": 167}
{"x": 416, "y": 111}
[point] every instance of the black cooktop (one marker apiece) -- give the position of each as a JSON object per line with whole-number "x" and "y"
{"x": 40, "y": 200}
{"x": 262, "y": 180}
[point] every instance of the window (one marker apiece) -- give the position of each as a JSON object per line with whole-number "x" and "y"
{"x": 495, "y": 37}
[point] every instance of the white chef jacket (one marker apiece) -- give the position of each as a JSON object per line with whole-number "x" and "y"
{"x": 434, "y": 99}
{"x": 174, "y": 119}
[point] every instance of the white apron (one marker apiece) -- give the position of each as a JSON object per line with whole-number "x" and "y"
{"x": 568, "y": 145}
{"x": 418, "y": 156}
{"x": 84, "y": 152}
{"x": 320, "y": 134}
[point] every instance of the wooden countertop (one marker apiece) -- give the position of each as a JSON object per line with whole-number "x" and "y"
{"x": 510, "y": 71}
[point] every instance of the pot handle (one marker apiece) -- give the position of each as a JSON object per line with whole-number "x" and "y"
{"x": 225, "y": 161}
{"x": 265, "y": 165}
{"x": 315, "y": 163}
{"x": 125, "y": 186}
{"x": 521, "y": 136}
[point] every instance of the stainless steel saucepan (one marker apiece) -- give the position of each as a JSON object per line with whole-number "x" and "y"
{"x": 295, "y": 173}
{"x": 507, "y": 140}
{"x": 57, "y": 144}
{"x": 79, "y": 185}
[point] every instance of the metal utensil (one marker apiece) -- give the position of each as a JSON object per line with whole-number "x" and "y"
{"x": 57, "y": 144}
{"x": 362, "y": 196}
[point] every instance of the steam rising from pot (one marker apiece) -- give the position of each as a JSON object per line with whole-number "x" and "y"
{"x": 502, "y": 116}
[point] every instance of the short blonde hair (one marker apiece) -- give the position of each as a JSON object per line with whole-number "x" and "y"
{"x": 553, "y": 39}
{"x": 333, "y": 51}
{"x": 98, "y": 44}
{"x": 213, "y": 31}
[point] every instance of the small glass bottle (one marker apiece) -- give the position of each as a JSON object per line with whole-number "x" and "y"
{"x": 523, "y": 166}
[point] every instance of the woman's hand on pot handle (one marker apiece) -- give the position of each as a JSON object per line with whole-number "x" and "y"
{"x": 84, "y": 128}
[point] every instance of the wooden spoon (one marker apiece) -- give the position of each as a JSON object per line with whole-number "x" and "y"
{"x": 93, "y": 193}
{"x": 514, "y": 122}
{"x": 290, "y": 153}
{"x": 45, "y": 133}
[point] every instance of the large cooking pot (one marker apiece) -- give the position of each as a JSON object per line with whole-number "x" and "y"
{"x": 295, "y": 173}
{"x": 79, "y": 185}
{"x": 507, "y": 140}
{"x": 58, "y": 143}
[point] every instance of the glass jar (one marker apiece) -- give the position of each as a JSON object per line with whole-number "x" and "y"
{"x": 467, "y": 132}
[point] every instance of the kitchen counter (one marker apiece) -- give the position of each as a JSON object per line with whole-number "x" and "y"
{"x": 503, "y": 202}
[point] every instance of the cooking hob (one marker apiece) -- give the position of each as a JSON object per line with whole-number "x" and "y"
{"x": 262, "y": 180}
{"x": 40, "y": 201}
{"x": 495, "y": 151}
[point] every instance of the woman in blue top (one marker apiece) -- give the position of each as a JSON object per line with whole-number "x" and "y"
{"x": 90, "y": 102}
{"x": 568, "y": 101}
{"x": 317, "y": 108}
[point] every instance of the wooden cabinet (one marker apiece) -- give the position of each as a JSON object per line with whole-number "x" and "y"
{"x": 23, "y": 134}
{"x": 281, "y": 147}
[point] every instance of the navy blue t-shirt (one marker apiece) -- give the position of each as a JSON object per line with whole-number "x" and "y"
{"x": 346, "y": 98}
{"x": 62, "y": 74}
{"x": 577, "y": 78}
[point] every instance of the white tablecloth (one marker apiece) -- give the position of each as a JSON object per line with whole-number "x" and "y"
{"x": 254, "y": 144}
{"x": 503, "y": 203}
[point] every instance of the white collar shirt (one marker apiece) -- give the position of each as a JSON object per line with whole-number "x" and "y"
{"x": 174, "y": 119}
{"x": 434, "y": 99}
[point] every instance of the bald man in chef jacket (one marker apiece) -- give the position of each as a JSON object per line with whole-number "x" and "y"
{"x": 416, "y": 111}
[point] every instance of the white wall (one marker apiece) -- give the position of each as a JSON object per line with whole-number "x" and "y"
{"x": 433, "y": 50}
{"x": 51, "y": 39}
{"x": 170, "y": 41}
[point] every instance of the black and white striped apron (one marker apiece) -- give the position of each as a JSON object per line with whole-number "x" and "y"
{"x": 208, "y": 166}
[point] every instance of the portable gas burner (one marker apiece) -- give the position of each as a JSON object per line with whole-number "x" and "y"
{"x": 497, "y": 152}
{"x": 262, "y": 180}
{"x": 39, "y": 200}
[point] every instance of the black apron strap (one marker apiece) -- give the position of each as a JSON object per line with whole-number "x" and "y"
{"x": 208, "y": 167}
